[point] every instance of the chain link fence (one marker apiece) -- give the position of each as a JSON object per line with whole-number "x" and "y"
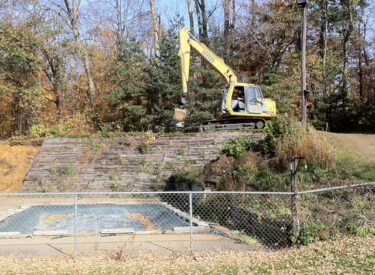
{"x": 36, "y": 224}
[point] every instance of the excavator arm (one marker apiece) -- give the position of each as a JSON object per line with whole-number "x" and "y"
{"x": 188, "y": 42}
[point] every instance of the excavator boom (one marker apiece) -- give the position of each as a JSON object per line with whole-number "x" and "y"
{"x": 188, "y": 41}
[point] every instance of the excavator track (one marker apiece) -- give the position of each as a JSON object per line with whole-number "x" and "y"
{"x": 233, "y": 124}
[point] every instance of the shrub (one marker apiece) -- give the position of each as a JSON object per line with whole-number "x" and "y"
{"x": 238, "y": 146}
{"x": 143, "y": 148}
{"x": 76, "y": 125}
{"x": 286, "y": 138}
{"x": 312, "y": 233}
{"x": 146, "y": 140}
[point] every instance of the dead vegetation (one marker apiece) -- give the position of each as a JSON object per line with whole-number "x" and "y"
{"x": 353, "y": 255}
{"x": 142, "y": 220}
{"x": 52, "y": 218}
{"x": 14, "y": 164}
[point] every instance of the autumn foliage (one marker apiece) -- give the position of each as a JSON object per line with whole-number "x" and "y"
{"x": 103, "y": 69}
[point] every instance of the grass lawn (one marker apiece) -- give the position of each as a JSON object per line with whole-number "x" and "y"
{"x": 355, "y": 152}
{"x": 349, "y": 255}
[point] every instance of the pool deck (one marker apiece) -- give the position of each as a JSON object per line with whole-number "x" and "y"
{"x": 130, "y": 244}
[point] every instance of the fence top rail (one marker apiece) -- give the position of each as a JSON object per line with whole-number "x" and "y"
{"x": 337, "y": 187}
{"x": 68, "y": 194}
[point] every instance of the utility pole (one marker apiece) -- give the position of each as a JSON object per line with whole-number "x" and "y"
{"x": 303, "y": 3}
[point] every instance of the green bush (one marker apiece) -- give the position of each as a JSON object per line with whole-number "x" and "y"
{"x": 143, "y": 148}
{"x": 238, "y": 147}
{"x": 268, "y": 180}
{"x": 312, "y": 233}
{"x": 276, "y": 128}
{"x": 353, "y": 228}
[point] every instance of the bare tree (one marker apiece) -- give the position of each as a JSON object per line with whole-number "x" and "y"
{"x": 124, "y": 17}
{"x": 119, "y": 23}
{"x": 156, "y": 29}
{"x": 191, "y": 18}
{"x": 200, "y": 7}
{"x": 69, "y": 12}
{"x": 227, "y": 31}
{"x": 229, "y": 23}
{"x": 252, "y": 11}
{"x": 234, "y": 15}
{"x": 347, "y": 33}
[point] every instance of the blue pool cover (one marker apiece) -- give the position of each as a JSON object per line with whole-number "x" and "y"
{"x": 91, "y": 218}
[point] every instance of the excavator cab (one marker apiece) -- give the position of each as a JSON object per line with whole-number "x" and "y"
{"x": 245, "y": 99}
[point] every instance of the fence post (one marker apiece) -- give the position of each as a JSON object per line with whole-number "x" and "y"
{"x": 294, "y": 198}
{"x": 191, "y": 220}
{"x": 75, "y": 224}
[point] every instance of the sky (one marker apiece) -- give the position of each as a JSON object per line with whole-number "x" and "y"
{"x": 169, "y": 8}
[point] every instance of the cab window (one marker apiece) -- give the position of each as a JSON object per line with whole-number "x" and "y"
{"x": 252, "y": 93}
{"x": 259, "y": 94}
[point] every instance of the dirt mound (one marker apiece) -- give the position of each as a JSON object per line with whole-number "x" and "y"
{"x": 14, "y": 164}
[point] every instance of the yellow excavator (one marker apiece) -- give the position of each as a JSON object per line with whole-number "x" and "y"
{"x": 242, "y": 104}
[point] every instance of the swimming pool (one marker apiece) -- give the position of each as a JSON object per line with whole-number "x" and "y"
{"x": 93, "y": 218}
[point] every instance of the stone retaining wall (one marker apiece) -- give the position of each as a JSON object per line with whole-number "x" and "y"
{"x": 116, "y": 164}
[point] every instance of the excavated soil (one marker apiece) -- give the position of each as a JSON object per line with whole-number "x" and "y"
{"x": 14, "y": 164}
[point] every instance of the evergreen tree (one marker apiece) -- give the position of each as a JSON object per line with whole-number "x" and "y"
{"x": 163, "y": 78}
{"x": 205, "y": 91}
{"x": 128, "y": 97}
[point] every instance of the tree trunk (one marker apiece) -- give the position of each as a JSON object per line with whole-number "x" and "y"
{"x": 204, "y": 20}
{"x": 58, "y": 108}
{"x": 360, "y": 69}
{"x": 303, "y": 63}
{"x": 200, "y": 7}
{"x": 155, "y": 26}
{"x": 252, "y": 11}
{"x": 361, "y": 38}
{"x": 346, "y": 39}
{"x": 227, "y": 27}
{"x": 234, "y": 14}
{"x": 365, "y": 54}
{"x": 120, "y": 28}
{"x": 17, "y": 128}
{"x": 199, "y": 19}
{"x": 191, "y": 18}
{"x": 72, "y": 12}
{"x": 323, "y": 47}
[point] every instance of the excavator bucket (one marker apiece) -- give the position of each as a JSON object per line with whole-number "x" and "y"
{"x": 179, "y": 116}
